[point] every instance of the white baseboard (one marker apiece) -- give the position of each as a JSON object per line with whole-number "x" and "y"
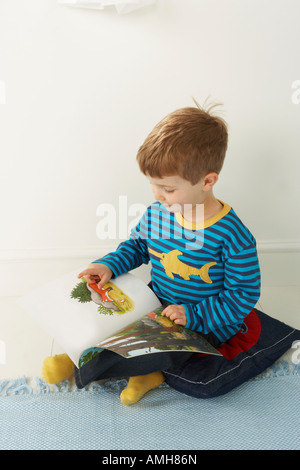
{"x": 277, "y": 246}
{"x": 23, "y": 270}
{"x": 92, "y": 252}
{"x": 56, "y": 253}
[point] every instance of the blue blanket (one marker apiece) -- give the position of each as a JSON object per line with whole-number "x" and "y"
{"x": 260, "y": 414}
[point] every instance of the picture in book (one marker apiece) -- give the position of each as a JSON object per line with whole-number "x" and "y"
{"x": 151, "y": 333}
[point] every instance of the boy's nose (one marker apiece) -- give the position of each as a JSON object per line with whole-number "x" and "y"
{"x": 158, "y": 195}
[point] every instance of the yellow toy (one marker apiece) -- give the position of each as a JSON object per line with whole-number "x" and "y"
{"x": 60, "y": 367}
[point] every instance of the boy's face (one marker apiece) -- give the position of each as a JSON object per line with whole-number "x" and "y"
{"x": 173, "y": 192}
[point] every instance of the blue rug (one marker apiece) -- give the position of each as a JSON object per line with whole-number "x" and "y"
{"x": 261, "y": 414}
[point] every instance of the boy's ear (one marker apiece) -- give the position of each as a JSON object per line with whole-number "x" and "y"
{"x": 210, "y": 180}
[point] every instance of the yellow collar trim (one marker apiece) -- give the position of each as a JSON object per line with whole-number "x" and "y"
{"x": 207, "y": 223}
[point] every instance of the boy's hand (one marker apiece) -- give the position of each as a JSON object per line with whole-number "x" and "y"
{"x": 176, "y": 313}
{"x": 98, "y": 273}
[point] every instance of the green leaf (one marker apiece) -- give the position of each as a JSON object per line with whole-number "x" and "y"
{"x": 81, "y": 293}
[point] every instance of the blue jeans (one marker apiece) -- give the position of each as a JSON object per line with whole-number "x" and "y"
{"x": 203, "y": 375}
{"x": 109, "y": 364}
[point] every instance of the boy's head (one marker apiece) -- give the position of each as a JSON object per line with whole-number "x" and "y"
{"x": 189, "y": 142}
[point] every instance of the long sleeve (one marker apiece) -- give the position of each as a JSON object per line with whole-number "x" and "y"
{"x": 222, "y": 313}
{"x": 129, "y": 255}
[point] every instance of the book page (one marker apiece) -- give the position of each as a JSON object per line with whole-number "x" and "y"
{"x": 156, "y": 333}
{"x": 78, "y": 325}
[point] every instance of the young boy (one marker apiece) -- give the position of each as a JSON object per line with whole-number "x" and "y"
{"x": 204, "y": 262}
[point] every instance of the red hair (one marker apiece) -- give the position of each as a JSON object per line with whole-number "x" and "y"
{"x": 189, "y": 142}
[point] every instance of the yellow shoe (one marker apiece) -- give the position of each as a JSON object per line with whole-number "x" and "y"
{"x": 57, "y": 368}
{"x": 139, "y": 385}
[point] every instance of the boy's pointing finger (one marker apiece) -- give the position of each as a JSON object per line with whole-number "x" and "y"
{"x": 86, "y": 272}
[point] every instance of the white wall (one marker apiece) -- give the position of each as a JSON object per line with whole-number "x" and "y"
{"x": 82, "y": 90}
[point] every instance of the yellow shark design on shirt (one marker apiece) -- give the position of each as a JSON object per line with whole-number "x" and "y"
{"x": 173, "y": 265}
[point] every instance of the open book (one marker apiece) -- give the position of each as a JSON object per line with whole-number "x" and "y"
{"x": 124, "y": 317}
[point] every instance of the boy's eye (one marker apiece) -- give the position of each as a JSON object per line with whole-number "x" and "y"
{"x": 169, "y": 190}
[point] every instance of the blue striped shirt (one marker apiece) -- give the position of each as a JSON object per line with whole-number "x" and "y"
{"x": 211, "y": 270}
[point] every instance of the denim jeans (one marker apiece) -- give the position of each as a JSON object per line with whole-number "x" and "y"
{"x": 109, "y": 364}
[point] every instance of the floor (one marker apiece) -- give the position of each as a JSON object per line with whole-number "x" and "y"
{"x": 24, "y": 345}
